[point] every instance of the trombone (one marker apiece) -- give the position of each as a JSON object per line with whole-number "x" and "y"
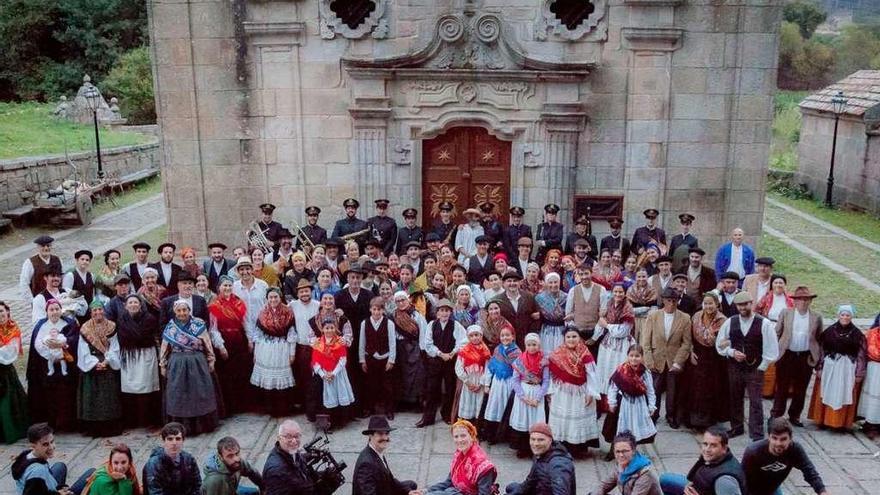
{"x": 307, "y": 245}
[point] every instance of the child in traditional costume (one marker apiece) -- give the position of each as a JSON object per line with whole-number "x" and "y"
{"x": 470, "y": 366}
{"x": 377, "y": 353}
{"x": 631, "y": 400}
{"x": 330, "y": 381}
{"x": 531, "y": 379}
{"x": 498, "y": 382}
{"x": 575, "y": 391}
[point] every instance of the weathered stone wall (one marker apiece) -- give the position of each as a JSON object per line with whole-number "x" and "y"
{"x": 21, "y": 177}
{"x": 255, "y": 104}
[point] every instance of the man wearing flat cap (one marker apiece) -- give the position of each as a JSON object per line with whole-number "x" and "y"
{"x": 135, "y": 269}
{"x": 351, "y": 223}
{"x": 383, "y": 229}
{"x": 169, "y": 271}
{"x": 515, "y": 231}
{"x": 80, "y": 279}
{"x": 748, "y": 341}
{"x": 31, "y": 280}
{"x": 681, "y": 243}
{"x": 410, "y": 232}
{"x": 270, "y": 227}
{"x": 315, "y": 233}
{"x": 663, "y": 278}
{"x": 615, "y": 240}
{"x": 758, "y": 284}
{"x": 550, "y": 233}
{"x": 582, "y": 231}
{"x": 700, "y": 278}
{"x": 648, "y": 233}
{"x": 728, "y": 287}
{"x": 372, "y": 474}
{"x": 443, "y": 226}
{"x": 218, "y": 264}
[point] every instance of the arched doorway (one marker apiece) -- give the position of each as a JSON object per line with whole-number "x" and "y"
{"x": 466, "y": 166}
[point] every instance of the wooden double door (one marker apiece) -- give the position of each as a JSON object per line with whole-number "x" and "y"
{"x": 468, "y": 167}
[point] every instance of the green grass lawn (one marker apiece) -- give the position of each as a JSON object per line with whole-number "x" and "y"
{"x": 786, "y": 130}
{"x": 29, "y": 129}
{"x": 861, "y": 224}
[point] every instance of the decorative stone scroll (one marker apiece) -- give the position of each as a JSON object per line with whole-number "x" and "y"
{"x": 353, "y": 19}
{"x": 592, "y": 28}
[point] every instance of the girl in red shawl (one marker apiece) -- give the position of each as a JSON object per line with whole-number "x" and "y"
{"x": 235, "y": 364}
{"x": 575, "y": 392}
{"x": 274, "y": 350}
{"x": 470, "y": 365}
{"x": 472, "y": 473}
{"x": 631, "y": 400}
{"x": 531, "y": 378}
{"x": 331, "y": 388}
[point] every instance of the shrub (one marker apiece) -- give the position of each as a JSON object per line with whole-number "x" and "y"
{"x": 131, "y": 81}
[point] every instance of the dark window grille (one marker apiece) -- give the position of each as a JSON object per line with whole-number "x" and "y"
{"x": 353, "y": 13}
{"x": 572, "y": 13}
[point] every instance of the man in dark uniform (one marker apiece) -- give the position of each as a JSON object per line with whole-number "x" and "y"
{"x": 444, "y": 227}
{"x": 648, "y": 233}
{"x": 685, "y": 241}
{"x": 410, "y": 232}
{"x": 492, "y": 227}
{"x": 315, "y": 233}
{"x": 351, "y": 223}
{"x": 615, "y": 240}
{"x": 549, "y": 234}
{"x": 583, "y": 231}
{"x": 270, "y": 228}
{"x": 384, "y": 226}
{"x": 515, "y": 231}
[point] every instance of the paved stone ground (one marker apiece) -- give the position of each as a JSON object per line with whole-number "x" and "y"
{"x": 849, "y": 462}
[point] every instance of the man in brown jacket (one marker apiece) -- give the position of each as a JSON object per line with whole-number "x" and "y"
{"x": 666, "y": 339}
{"x": 798, "y": 329}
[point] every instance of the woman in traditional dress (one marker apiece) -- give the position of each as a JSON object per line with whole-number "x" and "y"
{"x": 458, "y": 277}
{"x": 574, "y": 395}
{"x": 604, "y": 273}
{"x": 869, "y": 404}
{"x": 498, "y": 382}
{"x": 648, "y": 259}
{"x": 707, "y": 398}
{"x": 190, "y": 263}
{"x": 105, "y": 279}
{"x": 52, "y": 398}
{"x": 472, "y": 473}
{"x": 493, "y": 323}
{"x": 410, "y": 326}
{"x": 643, "y": 298}
{"x": 619, "y": 321}
{"x": 327, "y": 309}
{"x": 202, "y": 289}
{"x": 771, "y": 306}
{"x": 118, "y": 476}
{"x": 324, "y": 283}
{"x": 227, "y": 324}
{"x": 386, "y": 292}
{"x": 446, "y": 261}
{"x": 436, "y": 292}
{"x": 298, "y": 270}
{"x": 465, "y": 311}
{"x": 263, "y": 271}
{"x": 551, "y": 305}
{"x": 151, "y": 292}
{"x": 552, "y": 263}
{"x": 629, "y": 271}
{"x": 330, "y": 383}
{"x": 98, "y": 404}
{"x": 186, "y": 360}
{"x": 533, "y": 284}
{"x": 137, "y": 332}
{"x": 631, "y": 400}
{"x": 844, "y": 360}
{"x": 394, "y": 267}
{"x": 274, "y": 351}
{"x": 530, "y": 383}
{"x": 568, "y": 278}
{"x": 13, "y": 400}
{"x": 352, "y": 256}
{"x": 470, "y": 365}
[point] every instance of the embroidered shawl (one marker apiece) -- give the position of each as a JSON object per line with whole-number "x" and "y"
{"x": 276, "y": 321}
{"x": 474, "y": 354}
{"x": 501, "y": 363}
{"x": 184, "y": 336}
{"x": 228, "y": 311}
{"x": 629, "y": 380}
{"x": 327, "y": 354}
{"x": 570, "y": 365}
{"x": 10, "y": 331}
{"x": 468, "y": 467}
{"x": 98, "y": 334}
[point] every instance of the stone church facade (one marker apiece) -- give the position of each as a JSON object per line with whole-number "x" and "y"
{"x": 605, "y": 107}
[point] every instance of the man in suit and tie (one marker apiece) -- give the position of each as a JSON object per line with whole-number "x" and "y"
{"x": 184, "y": 290}
{"x": 372, "y": 475}
{"x": 519, "y": 307}
{"x": 169, "y": 271}
{"x": 515, "y": 231}
{"x": 798, "y": 329}
{"x": 666, "y": 339}
{"x": 217, "y": 265}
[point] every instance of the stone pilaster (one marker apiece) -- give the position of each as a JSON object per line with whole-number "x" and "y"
{"x": 563, "y": 133}
{"x": 368, "y": 154}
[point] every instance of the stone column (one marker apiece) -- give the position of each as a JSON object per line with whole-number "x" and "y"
{"x": 562, "y": 152}
{"x": 368, "y": 155}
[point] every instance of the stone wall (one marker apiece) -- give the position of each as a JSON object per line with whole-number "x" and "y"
{"x": 22, "y": 177}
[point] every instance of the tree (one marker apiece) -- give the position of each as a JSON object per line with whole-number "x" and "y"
{"x": 803, "y": 64}
{"x": 131, "y": 81}
{"x": 856, "y": 48}
{"x": 806, "y": 14}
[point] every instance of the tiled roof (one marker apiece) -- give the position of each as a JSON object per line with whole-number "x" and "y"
{"x": 861, "y": 90}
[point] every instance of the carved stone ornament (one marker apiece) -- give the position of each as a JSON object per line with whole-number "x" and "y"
{"x": 503, "y": 95}
{"x": 402, "y": 154}
{"x": 353, "y": 19}
{"x": 552, "y": 23}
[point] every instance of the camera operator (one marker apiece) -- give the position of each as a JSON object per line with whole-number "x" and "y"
{"x": 286, "y": 471}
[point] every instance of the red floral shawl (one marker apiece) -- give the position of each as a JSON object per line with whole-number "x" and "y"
{"x": 629, "y": 380}
{"x": 276, "y": 321}
{"x": 229, "y": 312}
{"x": 569, "y": 365}
{"x": 474, "y": 354}
{"x": 468, "y": 467}
{"x": 327, "y": 354}
{"x": 10, "y": 331}
{"x": 620, "y": 312}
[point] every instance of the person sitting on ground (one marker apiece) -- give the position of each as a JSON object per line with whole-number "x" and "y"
{"x": 118, "y": 476}
{"x": 224, "y": 469}
{"x": 472, "y": 473}
{"x": 285, "y": 471}
{"x": 716, "y": 471}
{"x": 31, "y": 470}
{"x": 372, "y": 476}
{"x": 632, "y": 474}
{"x": 768, "y": 462}
{"x": 552, "y": 470}
{"x": 170, "y": 469}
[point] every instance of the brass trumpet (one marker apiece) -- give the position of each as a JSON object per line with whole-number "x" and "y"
{"x": 256, "y": 237}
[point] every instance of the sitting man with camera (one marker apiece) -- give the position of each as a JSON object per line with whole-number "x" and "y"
{"x": 372, "y": 475}
{"x": 286, "y": 471}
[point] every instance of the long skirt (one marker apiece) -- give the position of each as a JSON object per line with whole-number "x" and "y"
{"x": 708, "y": 396}
{"x": 141, "y": 410}
{"x": 612, "y": 353}
{"x": 52, "y": 399}
{"x": 768, "y": 388}
{"x": 633, "y": 415}
{"x": 824, "y": 415}
{"x": 140, "y": 371}
{"x": 469, "y": 403}
{"x": 523, "y": 416}
{"x": 869, "y": 404}
{"x": 189, "y": 393}
{"x": 98, "y": 403}
{"x": 338, "y": 392}
{"x": 571, "y": 419}
{"x": 839, "y": 378}
{"x": 410, "y": 372}
{"x": 234, "y": 373}
{"x": 13, "y": 406}
{"x": 552, "y": 336}
{"x": 499, "y": 394}
{"x": 271, "y": 364}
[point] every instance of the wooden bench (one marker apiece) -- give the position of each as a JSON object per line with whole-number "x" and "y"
{"x": 139, "y": 176}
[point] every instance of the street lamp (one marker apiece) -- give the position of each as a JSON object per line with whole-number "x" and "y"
{"x": 93, "y": 100}
{"x": 838, "y": 105}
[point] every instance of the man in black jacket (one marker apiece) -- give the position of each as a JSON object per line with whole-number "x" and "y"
{"x": 552, "y": 471}
{"x": 170, "y": 469}
{"x": 716, "y": 472}
{"x": 185, "y": 286}
{"x": 768, "y": 462}
{"x": 285, "y": 471}
{"x": 372, "y": 475}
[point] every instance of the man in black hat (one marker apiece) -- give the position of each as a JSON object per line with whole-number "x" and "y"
{"x": 135, "y": 269}
{"x": 648, "y": 233}
{"x": 372, "y": 475}
{"x": 269, "y": 227}
{"x": 31, "y": 280}
{"x": 114, "y": 308}
{"x": 80, "y": 279}
{"x": 700, "y": 278}
{"x": 354, "y": 301}
{"x": 282, "y": 251}
{"x": 582, "y": 230}
{"x": 374, "y": 251}
{"x": 351, "y": 224}
{"x": 549, "y": 234}
{"x": 444, "y": 227}
{"x": 758, "y": 284}
{"x": 168, "y": 270}
{"x": 186, "y": 283}
{"x": 331, "y": 255}
{"x": 432, "y": 243}
{"x": 479, "y": 264}
{"x": 491, "y": 226}
{"x": 315, "y": 233}
{"x": 410, "y": 232}
{"x": 686, "y": 303}
{"x": 515, "y": 231}
{"x": 52, "y": 290}
{"x": 444, "y": 338}
{"x": 615, "y": 240}
{"x": 519, "y": 307}
{"x": 663, "y": 278}
{"x": 729, "y": 286}
{"x": 383, "y": 228}
{"x": 218, "y": 264}
{"x": 685, "y": 240}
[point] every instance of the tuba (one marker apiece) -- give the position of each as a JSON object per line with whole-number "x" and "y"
{"x": 256, "y": 237}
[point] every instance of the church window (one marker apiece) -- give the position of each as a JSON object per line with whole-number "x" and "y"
{"x": 572, "y": 13}
{"x": 353, "y": 13}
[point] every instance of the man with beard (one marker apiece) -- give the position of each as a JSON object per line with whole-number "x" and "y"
{"x": 351, "y": 224}
{"x": 168, "y": 270}
{"x": 466, "y": 236}
{"x": 716, "y": 471}
{"x": 31, "y": 279}
{"x": 285, "y": 471}
{"x": 768, "y": 463}
{"x": 700, "y": 278}
{"x": 217, "y": 265}
{"x": 184, "y": 290}
{"x": 225, "y": 468}
{"x": 372, "y": 475}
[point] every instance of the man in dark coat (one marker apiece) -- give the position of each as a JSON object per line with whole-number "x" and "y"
{"x": 170, "y": 469}
{"x": 716, "y": 471}
{"x": 444, "y": 227}
{"x": 218, "y": 264}
{"x": 372, "y": 475}
{"x": 270, "y": 228}
{"x": 410, "y": 232}
{"x": 169, "y": 271}
{"x": 682, "y": 243}
{"x": 384, "y": 226}
{"x": 615, "y": 240}
{"x": 351, "y": 224}
{"x": 552, "y": 471}
{"x": 549, "y": 234}
{"x": 515, "y": 231}
{"x": 582, "y": 230}
{"x": 285, "y": 471}
{"x": 354, "y": 301}
{"x": 491, "y": 227}
{"x": 648, "y": 233}
{"x": 519, "y": 308}
{"x": 185, "y": 286}
{"x": 700, "y": 278}
{"x": 315, "y": 233}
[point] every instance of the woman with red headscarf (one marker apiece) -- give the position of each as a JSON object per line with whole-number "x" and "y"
{"x": 472, "y": 473}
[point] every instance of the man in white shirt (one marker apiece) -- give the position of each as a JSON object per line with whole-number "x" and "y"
{"x": 735, "y": 256}
{"x": 466, "y": 237}
{"x": 135, "y": 269}
{"x": 252, "y": 291}
{"x": 377, "y": 352}
{"x": 749, "y": 342}
{"x": 31, "y": 280}
{"x": 758, "y": 283}
{"x": 445, "y": 337}
{"x": 79, "y": 278}
{"x": 304, "y": 309}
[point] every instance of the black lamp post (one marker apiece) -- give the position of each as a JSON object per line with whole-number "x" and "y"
{"x": 838, "y": 105}
{"x": 93, "y": 100}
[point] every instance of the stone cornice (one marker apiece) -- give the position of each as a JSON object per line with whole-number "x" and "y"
{"x": 460, "y": 74}
{"x": 275, "y": 33}
{"x": 656, "y": 39}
